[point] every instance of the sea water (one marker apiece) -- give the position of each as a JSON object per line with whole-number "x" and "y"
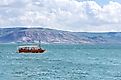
{"x": 62, "y": 62}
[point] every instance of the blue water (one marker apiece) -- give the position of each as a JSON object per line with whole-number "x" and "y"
{"x": 62, "y": 62}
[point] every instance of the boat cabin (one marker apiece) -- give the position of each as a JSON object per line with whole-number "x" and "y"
{"x": 30, "y": 49}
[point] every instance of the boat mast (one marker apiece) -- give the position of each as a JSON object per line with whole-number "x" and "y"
{"x": 40, "y": 43}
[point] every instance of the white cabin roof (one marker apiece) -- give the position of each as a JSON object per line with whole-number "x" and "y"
{"x": 30, "y": 46}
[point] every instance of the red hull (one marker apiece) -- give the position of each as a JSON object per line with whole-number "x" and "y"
{"x": 31, "y": 51}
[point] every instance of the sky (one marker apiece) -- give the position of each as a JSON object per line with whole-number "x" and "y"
{"x": 67, "y": 15}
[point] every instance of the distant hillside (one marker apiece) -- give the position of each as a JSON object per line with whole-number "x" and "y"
{"x": 56, "y": 36}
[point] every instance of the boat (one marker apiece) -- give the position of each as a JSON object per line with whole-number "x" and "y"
{"x": 30, "y": 49}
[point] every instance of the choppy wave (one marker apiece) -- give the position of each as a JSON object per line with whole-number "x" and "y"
{"x": 62, "y": 62}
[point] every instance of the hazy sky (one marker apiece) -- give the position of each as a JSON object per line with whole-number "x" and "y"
{"x": 71, "y": 15}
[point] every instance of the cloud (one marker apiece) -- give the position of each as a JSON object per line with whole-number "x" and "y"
{"x": 68, "y": 15}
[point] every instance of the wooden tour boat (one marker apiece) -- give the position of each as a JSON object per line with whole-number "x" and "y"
{"x": 30, "y": 49}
